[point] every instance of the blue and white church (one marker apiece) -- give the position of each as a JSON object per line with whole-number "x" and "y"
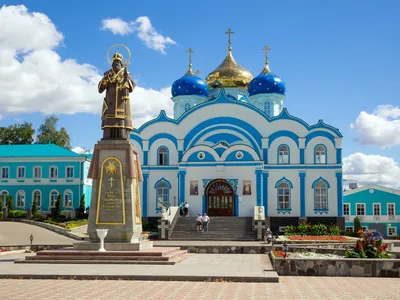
{"x": 232, "y": 145}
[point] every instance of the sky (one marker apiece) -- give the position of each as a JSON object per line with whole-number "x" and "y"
{"x": 339, "y": 60}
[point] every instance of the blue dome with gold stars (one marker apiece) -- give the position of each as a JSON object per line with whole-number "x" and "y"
{"x": 266, "y": 83}
{"x": 189, "y": 84}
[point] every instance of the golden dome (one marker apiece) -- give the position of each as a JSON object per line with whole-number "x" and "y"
{"x": 229, "y": 74}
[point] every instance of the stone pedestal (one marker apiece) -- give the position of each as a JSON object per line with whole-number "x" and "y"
{"x": 115, "y": 201}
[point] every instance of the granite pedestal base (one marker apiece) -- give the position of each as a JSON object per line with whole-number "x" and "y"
{"x": 89, "y": 246}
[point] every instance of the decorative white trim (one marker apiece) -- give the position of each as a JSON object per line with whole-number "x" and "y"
{"x": 58, "y": 193}
{"x": 72, "y": 200}
{"x": 45, "y": 159}
{"x": 373, "y": 186}
{"x": 41, "y": 197}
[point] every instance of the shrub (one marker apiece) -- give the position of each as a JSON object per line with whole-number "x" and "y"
{"x": 1, "y": 205}
{"x": 319, "y": 229}
{"x": 352, "y": 234}
{"x": 368, "y": 247}
{"x": 290, "y": 230}
{"x": 37, "y": 217}
{"x": 50, "y": 221}
{"x": 76, "y": 223}
{"x": 17, "y": 214}
{"x": 333, "y": 230}
{"x": 82, "y": 205}
{"x": 58, "y": 206}
{"x": 1, "y": 215}
{"x": 357, "y": 224}
{"x": 303, "y": 228}
{"x": 84, "y": 216}
{"x": 34, "y": 204}
{"x": 9, "y": 203}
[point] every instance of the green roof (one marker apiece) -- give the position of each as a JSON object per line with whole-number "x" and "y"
{"x": 36, "y": 150}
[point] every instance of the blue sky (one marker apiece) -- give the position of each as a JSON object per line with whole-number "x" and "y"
{"x": 338, "y": 58}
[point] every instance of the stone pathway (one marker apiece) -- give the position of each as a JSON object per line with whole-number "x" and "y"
{"x": 291, "y": 288}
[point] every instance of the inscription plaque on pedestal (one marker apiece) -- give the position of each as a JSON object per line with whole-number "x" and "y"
{"x": 110, "y": 201}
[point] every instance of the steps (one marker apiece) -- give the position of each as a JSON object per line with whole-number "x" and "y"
{"x": 152, "y": 256}
{"x": 220, "y": 229}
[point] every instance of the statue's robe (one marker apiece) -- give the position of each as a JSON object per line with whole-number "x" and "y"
{"x": 116, "y": 111}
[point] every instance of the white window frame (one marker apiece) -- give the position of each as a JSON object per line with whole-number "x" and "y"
{"x": 56, "y": 172}
{"x": 373, "y": 209}
{"x": 3, "y": 196}
{"x": 19, "y": 169}
{"x": 395, "y": 231}
{"x": 2, "y": 172}
{"x": 283, "y": 197}
{"x": 394, "y": 209}
{"x": 320, "y": 154}
{"x": 66, "y": 171}
{"x": 321, "y": 196}
{"x": 364, "y": 228}
{"x": 18, "y": 200}
{"x": 283, "y": 159}
{"x": 51, "y": 200}
{"x": 68, "y": 203}
{"x": 357, "y": 204}
{"x": 40, "y": 171}
{"x": 349, "y": 229}
{"x": 40, "y": 198}
{"x": 348, "y": 205}
{"x": 163, "y": 157}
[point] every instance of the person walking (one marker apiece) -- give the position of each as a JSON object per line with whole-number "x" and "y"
{"x": 205, "y": 221}
{"x": 186, "y": 209}
{"x": 199, "y": 220}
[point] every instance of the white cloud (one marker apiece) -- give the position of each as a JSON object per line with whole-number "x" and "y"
{"x": 34, "y": 78}
{"x": 81, "y": 150}
{"x": 371, "y": 169}
{"x": 117, "y": 26}
{"x": 144, "y": 30}
{"x": 381, "y": 128}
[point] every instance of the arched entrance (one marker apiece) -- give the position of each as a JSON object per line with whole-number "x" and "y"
{"x": 220, "y": 198}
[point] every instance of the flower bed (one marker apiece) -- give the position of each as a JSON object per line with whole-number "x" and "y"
{"x": 318, "y": 238}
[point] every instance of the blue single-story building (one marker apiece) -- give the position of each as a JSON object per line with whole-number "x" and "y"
{"x": 44, "y": 171}
{"x": 377, "y": 207}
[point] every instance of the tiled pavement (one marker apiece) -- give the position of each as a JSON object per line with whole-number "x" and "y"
{"x": 292, "y": 288}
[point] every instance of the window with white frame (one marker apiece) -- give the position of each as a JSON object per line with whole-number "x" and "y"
{"x": 21, "y": 172}
{"x": 187, "y": 106}
{"x": 349, "y": 229}
{"x": 283, "y": 154}
{"x": 53, "y": 172}
{"x": 3, "y": 197}
{"x": 162, "y": 156}
{"x": 53, "y": 198}
{"x": 346, "y": 209}
{"x": 360, "y": 209}
{"x": 267, "y": 108}
{"x": 320, "y": 154}
{"x": 390, "y": 209}
{"x": 68, "y": 198}
{"x": 37, "y": 172}
{"x": 283, "y": 196}
{"x": 377, "y": 209}
{"x": 70, "y": 172}
{"x": 392, "y": 231}
{"x": 321, "y": 201}
{"x": 364, "y": 228}
{"x": 162, "y": 194}
{"x": 20, "y": 199}
{"x": 5, "y": 172}
{"x": 37, "y": 197}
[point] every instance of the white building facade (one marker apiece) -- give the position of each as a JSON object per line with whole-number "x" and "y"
{"x": 232, "y": 146}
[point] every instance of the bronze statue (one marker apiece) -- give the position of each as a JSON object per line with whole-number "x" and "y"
{"x": 116, "y": 118}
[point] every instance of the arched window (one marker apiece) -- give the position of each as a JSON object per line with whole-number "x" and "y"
{"x": 321, "y": 198}
{"x": 68, "y": 197}
{"x": 162, "y": 194}
{"x": 3, "y": 197}
{"x": 20, "y": 199}
{"x": 53, "y": 198}
{"x": 283, "y": 154}
{"x": 37, "y": 196}
{"x": 162, "y": 156}
{"x": 320, "y": 154}
{"x": 267, "y": 108}
{"x": 284, "y": 196}
{"x": 187, "y": 106}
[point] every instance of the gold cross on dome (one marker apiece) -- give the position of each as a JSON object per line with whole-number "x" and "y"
{"x": 266, "y": 49}
{"x": 190, "y": 51}
{"x": 229, "y": 32}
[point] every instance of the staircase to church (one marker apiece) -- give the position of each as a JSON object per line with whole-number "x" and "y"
{"x": 220, "y": 229}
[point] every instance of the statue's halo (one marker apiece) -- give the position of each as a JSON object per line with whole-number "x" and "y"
{"x": 127, "y": 61}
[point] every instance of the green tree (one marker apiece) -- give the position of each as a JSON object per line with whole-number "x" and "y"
{"x": 10, "y": 203}
{"x": 357, "y": 225}
{"x": 17, "y": 134}
{"x": 34, "y": 204}
{"x": 58, "y": 206}
{"x": 1, "y": 204}
{"x": 48, "y": 133}
{"x": 82, "y": 205}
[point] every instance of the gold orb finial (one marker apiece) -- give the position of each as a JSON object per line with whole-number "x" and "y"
{"x": 266, "y": 66}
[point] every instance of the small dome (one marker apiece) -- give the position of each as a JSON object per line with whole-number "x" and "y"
{"x": 229, "y": 74}
{"x": 189, "y": 84}
{"x": 266, "y": 83}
